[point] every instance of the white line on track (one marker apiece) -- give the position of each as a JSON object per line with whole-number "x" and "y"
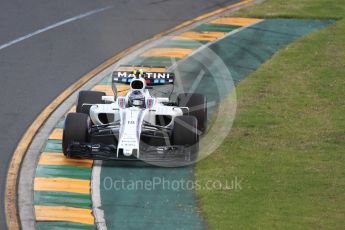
{"x": 96, "y": 196}
{"x": 10, "y": 43}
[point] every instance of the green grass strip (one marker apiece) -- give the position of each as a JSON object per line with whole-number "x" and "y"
{"x": 310, "y": 9}
{"x": 49, "y": 225}
{"x": 62, "y": 199}
{"x": 287, "y": 143}
{"x": 215, "y": 28}
{"x": 187, "y": 44}
{"x": 53, "y": 146}
{"x": 63, "y": 171}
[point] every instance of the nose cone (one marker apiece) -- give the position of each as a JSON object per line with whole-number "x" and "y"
{"x": 127, "y": 152}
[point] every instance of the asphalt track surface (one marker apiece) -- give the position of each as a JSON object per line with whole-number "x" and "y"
{"x": 36, "y": 69}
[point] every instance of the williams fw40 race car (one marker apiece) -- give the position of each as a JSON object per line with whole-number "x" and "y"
{"x": 136, "y": 126}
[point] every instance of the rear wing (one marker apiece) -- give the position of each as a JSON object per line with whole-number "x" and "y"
{"x": 151, "y": 78}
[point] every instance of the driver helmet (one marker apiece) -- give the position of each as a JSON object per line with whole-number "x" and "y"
{"x": 136, "y": 99}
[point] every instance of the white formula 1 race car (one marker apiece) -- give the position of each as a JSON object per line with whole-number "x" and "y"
{"x": 136, "y": 126}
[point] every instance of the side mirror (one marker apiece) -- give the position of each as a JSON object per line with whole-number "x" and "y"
{"x": 108, "y": 99}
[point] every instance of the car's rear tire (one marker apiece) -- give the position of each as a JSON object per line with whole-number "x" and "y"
{"x": 88, "y": 97}
{"x": 185, "y": 132}
{"x": 198, "y": 105}
{"x": 77, "y": 129}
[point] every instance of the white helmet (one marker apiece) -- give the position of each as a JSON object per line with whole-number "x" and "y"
{"x": 136, "y": 98}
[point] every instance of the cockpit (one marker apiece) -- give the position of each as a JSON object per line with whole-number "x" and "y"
{"x": 136, "y": 98}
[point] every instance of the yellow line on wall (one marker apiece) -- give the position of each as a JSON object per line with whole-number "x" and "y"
{"x": 48, "y": 158}
{"x": 235, "y": 21}
{"x": 62, "y": 213}
{"x": 199, "y": 36}
{"x": 167, "y": 52}
{"x": 62, "y": 185}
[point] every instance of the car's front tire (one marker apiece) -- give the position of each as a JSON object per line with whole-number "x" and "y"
{"x": 185, "y": 132}
{"x": 77, "y": 129}
{"x": 197, "y": 104}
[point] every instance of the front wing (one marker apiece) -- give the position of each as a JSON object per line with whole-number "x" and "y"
{"x": 168, "y": 154}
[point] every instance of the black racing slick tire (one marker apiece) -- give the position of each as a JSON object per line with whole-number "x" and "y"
{"x": 88, "y": 97}
{"x": 77, "y": 129}
{"x": 197, "y": 104}
{"x": 185, "y": 132}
